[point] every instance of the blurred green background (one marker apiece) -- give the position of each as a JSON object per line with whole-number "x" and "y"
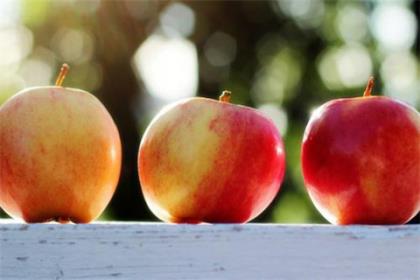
{"x": 282, "y": 57}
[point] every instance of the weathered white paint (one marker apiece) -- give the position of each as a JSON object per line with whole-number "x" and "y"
{"x": 251, "y": 251}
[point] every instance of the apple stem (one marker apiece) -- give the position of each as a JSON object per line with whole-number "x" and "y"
{"x": 225, "y": 96}
{"x": 369, "y": 87}
{"x": 62, "y": 75}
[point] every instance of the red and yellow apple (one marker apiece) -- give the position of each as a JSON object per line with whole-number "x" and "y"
{"x": 361, "y": 160}
{"x": 202, "y": 160}
{"x": 60, "y": 155}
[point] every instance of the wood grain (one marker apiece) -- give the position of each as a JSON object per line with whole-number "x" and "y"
{"x": 251, "y": 251}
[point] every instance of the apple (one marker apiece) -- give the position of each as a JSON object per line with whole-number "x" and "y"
{"x": 60, "y": 155}
{"x": 361, "y": 160}
{"x": 202, "y": 160}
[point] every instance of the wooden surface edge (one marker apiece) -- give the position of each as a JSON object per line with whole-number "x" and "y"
{"x": 120, "y": 250}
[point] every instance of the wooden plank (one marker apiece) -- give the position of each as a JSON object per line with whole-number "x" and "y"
{"x": 251, "y": 251}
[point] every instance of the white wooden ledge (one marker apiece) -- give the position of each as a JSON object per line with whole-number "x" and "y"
{"x": 252, "y": 251}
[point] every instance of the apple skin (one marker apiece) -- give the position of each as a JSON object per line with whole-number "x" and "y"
{"x": 361, "y": 161}
{"x": 60, "y": 155}
{"x": 202, "y": 160}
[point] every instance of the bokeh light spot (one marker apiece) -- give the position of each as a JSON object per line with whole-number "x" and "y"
{"x": 168, "y": 67}
{"x": 36, "y": 72}
{"x": 394, "y": 26}
{"x": 352, "y": 23}
{"x": 9, "y": 13}
{"x": 74, "y": 46}
{"x": 177, "y": 19}
{"x": 346, "y": 67}
{"x": 220, "y": 49}
{"x": 306, "y": 13}
{"x": 15, "y": 44}
{"x": 399, "y": 71}
{"x": 279, "y": 77}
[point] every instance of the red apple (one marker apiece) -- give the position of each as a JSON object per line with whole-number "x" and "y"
{"x": 361, "y": 160}
{"x": 60, "y": 155}
{"x": 202, "y": 160}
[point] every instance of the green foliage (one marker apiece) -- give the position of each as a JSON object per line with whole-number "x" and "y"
{"x": 35, "y": 12}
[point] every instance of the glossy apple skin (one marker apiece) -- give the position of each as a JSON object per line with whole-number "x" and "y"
{"x": 361, "y": 161}
{"x": 202, "y": 160}
{"x": 60, "y": 155}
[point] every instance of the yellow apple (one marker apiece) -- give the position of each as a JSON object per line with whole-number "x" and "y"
{"x": 60, "y": 155}
{"x": 202, "y": 160}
